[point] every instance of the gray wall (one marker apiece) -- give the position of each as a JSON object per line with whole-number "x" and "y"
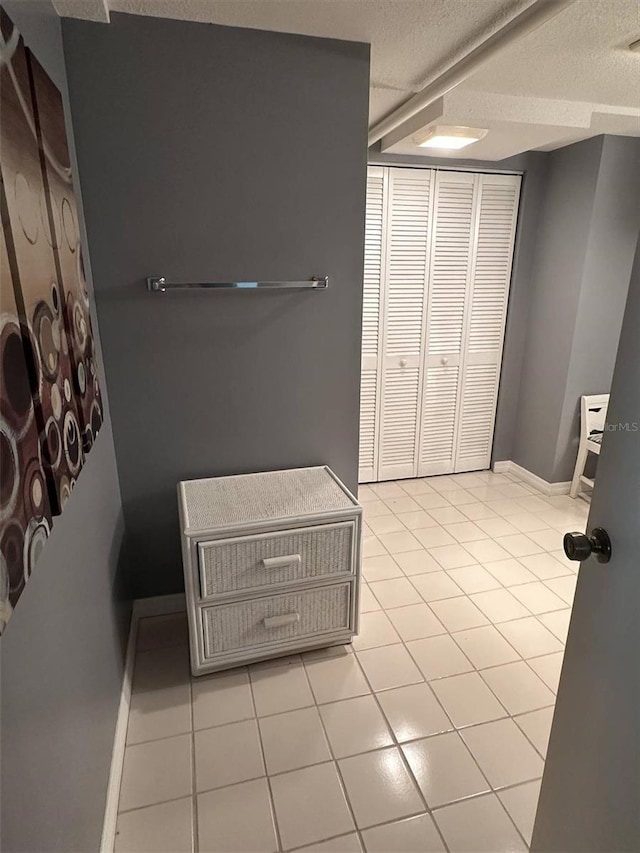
{"x": 534, "y": 166}
{"x": 241, "y": 156}
{"x": 588, "y": 227}
{"x": 555, "y": 291}
{"x": 615, "y": 225}
{"x": 61, "y": 652}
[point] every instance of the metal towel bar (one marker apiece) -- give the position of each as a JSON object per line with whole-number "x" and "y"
{"x": 161, "y": 285}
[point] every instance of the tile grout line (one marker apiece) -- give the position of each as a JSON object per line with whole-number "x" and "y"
{"x": 476, "y": 561}
{"x": 399, "y": 641}
{"x": 403, "y": 757}
{"x": 157, "y": 803}
{"x": 454, "y": 728}
{"x": 272, "y": 802}
{"x": 341, "y": 782}
{"x": 496, "y": 791}
{"x": 462, "y": 593}
{"x": 495, "y": 625}
{"x": 461, "y": 738}
{"x": 466, "y": 595}
{"x": 304, "y": 847}
{"x": 535, "y": 711}
{"x": 395, "y": 744}
{"x": 195, "y": 830}
{"x": 567, "y": 515}
{"x": 517, "y": 828}
{"x": 424, "y": 680}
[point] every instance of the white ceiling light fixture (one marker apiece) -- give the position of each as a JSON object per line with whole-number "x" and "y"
{"x": 449, "y": 137}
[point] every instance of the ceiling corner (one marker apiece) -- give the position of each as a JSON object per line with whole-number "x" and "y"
{"x": 87, "y": 10}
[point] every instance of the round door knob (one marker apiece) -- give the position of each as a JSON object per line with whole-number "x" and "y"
{"x": 444, "y": 360}
{"x": 580, "y": 546}
{"x": 403, "y": 362}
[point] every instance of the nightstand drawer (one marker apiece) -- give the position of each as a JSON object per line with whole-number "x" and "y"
{"x": 271, "y": 620}
{"x": 287, "y": 556}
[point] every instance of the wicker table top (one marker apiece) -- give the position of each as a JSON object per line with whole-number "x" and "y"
{"x": 246, "y": 498}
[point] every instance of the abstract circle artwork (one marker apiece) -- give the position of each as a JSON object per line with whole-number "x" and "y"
{"x": 50, "y": 396}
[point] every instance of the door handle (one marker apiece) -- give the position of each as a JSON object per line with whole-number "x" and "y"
{"x": 403, "y": 362}
{"x": 580, "y": 546}
{"x": 444, "y": 360}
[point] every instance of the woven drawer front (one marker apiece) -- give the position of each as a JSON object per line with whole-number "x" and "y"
{"x": 233, "y": 564}
{"x": 229, "y": 627}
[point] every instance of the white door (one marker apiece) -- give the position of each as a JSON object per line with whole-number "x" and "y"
{"x": 409, "y": 213}
{"x": 371, "y": 322}
{"x": 438, "y": 253}
{"x": 590, "y": 794}
{"x": 486, "y": 314}
{"x": 448, "y": 295}
{"x": 474, "y": 231}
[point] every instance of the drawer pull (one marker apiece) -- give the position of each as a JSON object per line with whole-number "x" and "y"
{"x": 279, "y": 562}
{"x": 281, "y": 621}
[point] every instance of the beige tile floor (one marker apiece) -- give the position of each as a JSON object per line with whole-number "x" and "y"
{"x": 428, "y": 734}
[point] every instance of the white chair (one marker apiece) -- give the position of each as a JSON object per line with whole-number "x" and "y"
{"x": 593, "y": 413}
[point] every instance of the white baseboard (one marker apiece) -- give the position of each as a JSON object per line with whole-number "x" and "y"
{"x": 501, "y": 467}
{"x": 142, "y": 607}
{"x": 543, "y": 486}
{"x": 119, "y": 741}
{"x": 159, "y": 605}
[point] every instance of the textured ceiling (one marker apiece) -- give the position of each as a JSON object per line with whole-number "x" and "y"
{"x": 581, "y": 55}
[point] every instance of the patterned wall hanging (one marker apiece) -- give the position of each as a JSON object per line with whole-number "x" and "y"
{"x": 50, "y": 402}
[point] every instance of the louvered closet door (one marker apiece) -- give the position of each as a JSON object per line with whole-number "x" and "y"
{"x": 409, "y": 213}
{"x": 491, "y": 275}
{"x": 371, "y": 323}
{"x": 449, "y": 289}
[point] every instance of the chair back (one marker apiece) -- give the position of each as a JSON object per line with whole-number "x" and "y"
{"x": 593, "y": 414}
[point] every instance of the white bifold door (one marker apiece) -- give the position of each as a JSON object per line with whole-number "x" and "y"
{"x": 438, "y": 255}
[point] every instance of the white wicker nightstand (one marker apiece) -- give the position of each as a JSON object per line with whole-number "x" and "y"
{"x": 271, "y": 565}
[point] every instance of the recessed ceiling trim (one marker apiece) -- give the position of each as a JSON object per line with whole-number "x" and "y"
{"x": 515, "y": 124}
{"x": 436, "y": 164}
{"x": 524, "y": 23}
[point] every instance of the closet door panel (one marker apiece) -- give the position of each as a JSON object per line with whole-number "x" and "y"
{"x": 408, "y": 225}
{"x": 447, "y": 315}
{"x": 477, "y": 414}
{"x": 439, "y": 412}
{"x": 371, "y": 323}
{"x": 368, "y": 420}
{"x": 498, "y": 197}
{"x": 498, "y": 209}
{"x": 399, "y": 420}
